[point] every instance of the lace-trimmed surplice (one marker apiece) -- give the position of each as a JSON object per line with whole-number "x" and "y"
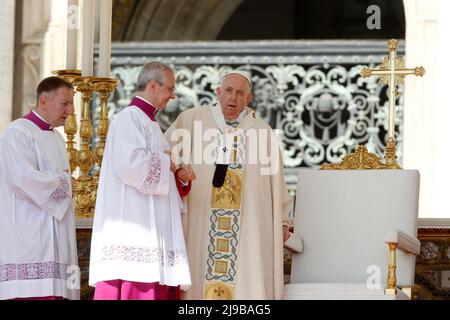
{"x": 37, "y": 229}
{"x": 137, "y": 233}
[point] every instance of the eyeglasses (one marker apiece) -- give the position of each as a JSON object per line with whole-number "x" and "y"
{"x": 171, "y": 89}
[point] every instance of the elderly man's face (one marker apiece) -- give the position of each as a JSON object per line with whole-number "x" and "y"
{"x": 56, "y": 106}
{"x": 165, "y": 91}
{"x": 234, "y": 94}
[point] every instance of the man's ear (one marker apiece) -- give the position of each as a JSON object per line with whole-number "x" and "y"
{"x": 43, "y": 101}
{"x": 219, "y": 91}
{"x": 249, "y": 99}
{"x": 151, "y": 85}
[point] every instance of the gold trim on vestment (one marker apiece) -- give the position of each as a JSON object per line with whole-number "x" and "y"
{"x": 223, "y": 236}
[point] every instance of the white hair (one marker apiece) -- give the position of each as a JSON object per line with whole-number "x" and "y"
{"x": 152, "y": 71}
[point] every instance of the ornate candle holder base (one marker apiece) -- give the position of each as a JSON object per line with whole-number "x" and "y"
{"x": 390, "y": 156}
{"x": 85, "y": 196}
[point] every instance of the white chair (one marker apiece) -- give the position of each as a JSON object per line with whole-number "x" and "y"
{"x": 348, "y": 221}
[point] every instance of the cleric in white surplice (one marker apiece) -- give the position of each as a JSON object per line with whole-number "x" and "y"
{"x": 38, "y": 255}
{"x": 138, "y": 250}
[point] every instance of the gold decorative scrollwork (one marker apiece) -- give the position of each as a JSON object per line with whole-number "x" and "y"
{"x": 85, "y": 195}
{"x": 361, "y": 159}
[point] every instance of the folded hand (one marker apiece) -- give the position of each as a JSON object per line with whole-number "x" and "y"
{"x": 186, "y": 173}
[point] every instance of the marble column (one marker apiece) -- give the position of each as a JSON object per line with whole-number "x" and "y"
{"x": 426, "y": 109}
{"x": 35, "y": 20}
{"x": 441, "y": 207}
{"x": 7, "y": 21}
{"x": 54, "y": 42}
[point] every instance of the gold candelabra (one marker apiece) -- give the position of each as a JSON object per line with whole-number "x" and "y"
{"x": 85, "y": 185}
{"x": 104, "y": 86}
{"x": 85, "y": 154}
{"x": 70, "y": 127}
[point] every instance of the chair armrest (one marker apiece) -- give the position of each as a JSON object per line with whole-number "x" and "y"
{"x": 404, "y": 241}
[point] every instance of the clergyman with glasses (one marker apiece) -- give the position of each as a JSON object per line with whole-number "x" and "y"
{"x": 138, "y": 249}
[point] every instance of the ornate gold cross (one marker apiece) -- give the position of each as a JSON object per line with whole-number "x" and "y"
{"x": 392, "y": 72}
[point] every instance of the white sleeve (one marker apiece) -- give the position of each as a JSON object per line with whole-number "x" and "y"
{"x": 133, "y": 162}
{"x": 51, "y": 191}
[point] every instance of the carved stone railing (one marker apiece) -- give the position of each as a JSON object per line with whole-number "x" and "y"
{"x": 310, "y": 92}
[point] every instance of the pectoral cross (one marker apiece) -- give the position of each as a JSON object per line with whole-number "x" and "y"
{"x": 392, "y": 72}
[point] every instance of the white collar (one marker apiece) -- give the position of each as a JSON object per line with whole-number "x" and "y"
{"x": 146, "y": 101}
{"x": 246, "y": 118}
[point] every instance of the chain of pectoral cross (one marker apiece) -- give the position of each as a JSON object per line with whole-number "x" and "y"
{"x": 392, "y": 73}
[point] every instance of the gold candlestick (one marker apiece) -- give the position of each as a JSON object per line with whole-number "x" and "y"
{"x": 85, "y": 155}
{"x": 104, "y": 86}
{"x": 70, "y": 126}
{"x": 85, "y": 187}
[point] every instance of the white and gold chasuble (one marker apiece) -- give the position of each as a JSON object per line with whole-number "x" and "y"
{"x": 226, "y": 205}
{"x": 250, "y": 263}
